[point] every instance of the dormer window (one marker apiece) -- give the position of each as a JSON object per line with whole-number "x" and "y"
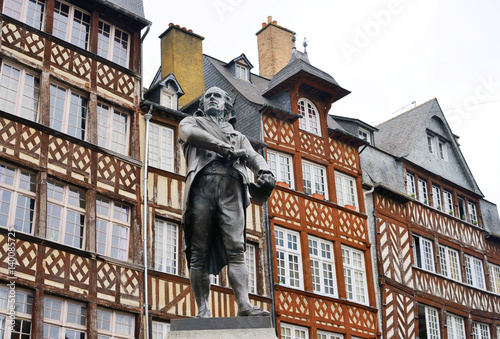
{"x": 242, "y": 72}
{"x": 363, "y": 134}
{"x": 310, "y": 116}
{"x": 437, "y": 146}
{"x": 168, "y": 99}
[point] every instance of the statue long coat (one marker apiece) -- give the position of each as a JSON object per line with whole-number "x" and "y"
{"x": 204, "y": 141}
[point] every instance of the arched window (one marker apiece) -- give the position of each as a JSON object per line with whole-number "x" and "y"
{"x": 310, "y": 120}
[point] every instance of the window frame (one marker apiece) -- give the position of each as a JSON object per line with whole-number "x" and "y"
{"x": 70, "y": 25}
{"x": 110, "y": 53}
{"x": 165, "y": 329}
{"x": 109, "y": 134}
{"x": 23, "y": 15}
{"x": 449, "y": 208}
{"x": 450, "y": 263}
{"x": 309, "y": 122}
{"x": 169, "y": 246}
{"x": 494, "y": 273}
{"x": 251, "y": 262}
{"x": 315, "y": 178}
{"x": 63, "y": 323}
{"x": 472, "y": 212}
{"x": 293, "y": 331}
{"x": 122, "y": 253}
{"x": 455, "y": 326}
{"x": 341, "y": 189}
{"x": 15, "y": 192}
{"x": 241, "y": 72}
{"x": 437, "y": 201}
{"x": 20, "y": 91}
{"x": 328, "y": 335}
{"x": 472, "y": 276}
{"x": 161, "y": 153}
{"x": 66, "y": 208}
{"x": 68, "y": 104}
{"x": 423, "y": 194}
{"x": 113, "y": 333}
{"x": 421, "y": 257}
{"x": 434, "y": 325}
{"x": 321, "y": 260}
{"x": 20, "y": 316}
{"x": 283, "y": 263}
{"x": 411, "y": 187}
{"x": 364, "y": 134}
{"x": 274, "y": 159}
{"x": 356, "y": 296}
{"x": 480, "y": 330}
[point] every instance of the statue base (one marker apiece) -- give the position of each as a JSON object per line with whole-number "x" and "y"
{"x": 222, "y": 328}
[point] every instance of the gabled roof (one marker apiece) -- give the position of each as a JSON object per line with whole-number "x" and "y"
{"x": 405, "y": 136}
{"x": 354, "y": 121}
{"x": 243, "y": 58}
{"x": 131, "y": 8}
{"x": 297, "y": 66}
{"x": 170, "y": 78}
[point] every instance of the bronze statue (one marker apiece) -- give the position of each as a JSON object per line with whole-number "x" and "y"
{"x": 216, "y": 197}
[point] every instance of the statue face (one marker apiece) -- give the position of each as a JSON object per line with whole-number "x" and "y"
{"x": 214, "y": 102}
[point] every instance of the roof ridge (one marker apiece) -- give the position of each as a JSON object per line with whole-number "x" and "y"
{"x": 399, "y": 115}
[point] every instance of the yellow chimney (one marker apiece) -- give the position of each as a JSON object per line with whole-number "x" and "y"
{"x": 182, "y": 54}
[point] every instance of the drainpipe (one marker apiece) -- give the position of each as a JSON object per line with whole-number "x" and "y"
{"x": 147, "y": 116}
{"x": 269, "y": 245}
{"x": 142, "y": 72}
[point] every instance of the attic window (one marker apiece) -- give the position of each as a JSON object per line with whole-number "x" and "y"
{"x": 242, "y": 72}
{"x": 363, "y": 134}
{"x": 168, "y": 99}
{"x": 310, "y": 116}
{"x": 437, "y": 147}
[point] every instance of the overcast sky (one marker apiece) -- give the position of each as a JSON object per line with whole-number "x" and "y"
{"x": 387, "y": 53}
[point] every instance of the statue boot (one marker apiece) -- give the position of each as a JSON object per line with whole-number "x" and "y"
{"x": 200, "y": 283}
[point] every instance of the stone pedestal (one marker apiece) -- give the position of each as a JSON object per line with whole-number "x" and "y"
{"x": 222, "y": 328}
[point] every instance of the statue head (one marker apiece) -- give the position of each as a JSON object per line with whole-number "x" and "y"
{"x": 216, "y": 102}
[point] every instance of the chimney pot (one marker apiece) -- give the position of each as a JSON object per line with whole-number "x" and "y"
{"x": 264, "y": 24}
{"x": 190, "y": 30}
{"x": 184, "y": 28}
{"x": 275, "y": 22}
{"x": 170, "y": 24}
{"x": 269, "y": 19}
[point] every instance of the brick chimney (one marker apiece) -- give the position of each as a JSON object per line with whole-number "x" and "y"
{"x": 275, "y": 47}
{"x": 182, "y": 54}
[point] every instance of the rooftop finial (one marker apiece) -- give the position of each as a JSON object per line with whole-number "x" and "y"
{"x": 305, "y": 45}
{"x": 293, "y": 40}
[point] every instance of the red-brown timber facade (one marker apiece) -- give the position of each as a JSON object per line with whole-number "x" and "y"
{"x": 436, "y": 237}
{"x": 70, "y": 171}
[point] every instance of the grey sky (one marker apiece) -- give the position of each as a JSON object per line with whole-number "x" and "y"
{"x": 387, "y": 53}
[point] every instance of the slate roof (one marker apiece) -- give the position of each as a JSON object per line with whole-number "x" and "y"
{"x": 405, "y": 136}
{"x": 132, "y": 8}
{"x": 491, "y": 220}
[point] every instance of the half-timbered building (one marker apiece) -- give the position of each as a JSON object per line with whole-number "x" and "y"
{"x": 70, "y": 240}
{"x": 309, "y": 247}
{"x": 436, "y": 236}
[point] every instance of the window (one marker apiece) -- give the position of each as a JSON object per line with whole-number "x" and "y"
{"x": 472, "y": 213}
{"x": 252, "y": 268}
{"x": 289, "y": 331}
{"x": 66, "y": 214}
{"x": 363, "y": 134}
{"x": 329, "y": 335}
{"x": 346, "y": 190}
{"x": 428, "y": 322}
{"x": 288, "y": 257}
{"x": 160, "y": 330}
{"x": 23, "y": 307}
{"x": 113, "y": 128}
{"x": 241, "y": 72}
{"x": 17, "y": 198}
{"x": 314, "y": 179}
{"x": 19, "y": 92}
{"x": 71, "y": 24}
{"x": 474, "y": 273}
{"x": 410, "y": 185}
{"x": 322, "y": 266}
{"x": 166, "y": 243}
{"x": 494, "y": 278}
{"x": 461, "y": 209}
{"x": 443, "y": 150}
{"x": 448, "y": 202}
{"x": 281, "y": 167}
{"x": 111, "y": 324}
{"x": 113, "y": 228}
{"x": 422, "y": 253}
{"x": 456, "y": 328}
{"x": 215, "y": 279}
{"x": 354, "y": 275}
{"x": 64, "y": 319}
{"x": 161, "y": 147}
{"x": 27, "y": 11}
{"x": 310, "y": 116}
{"x": 168, "y": 100}
{"x": 68, "y": 111}
{"x": 112, "y": 43}
{"x": 480, "y": 331}
{"x": 436, "y": 198}
{"x": 430, "y": 143}
{"x": 422, "y": 191}
{"x": 450, "y": 263}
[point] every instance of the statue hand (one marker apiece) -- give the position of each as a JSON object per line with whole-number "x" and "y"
{"x": 266, "y": 179}
{"x": 239, "y": 154}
